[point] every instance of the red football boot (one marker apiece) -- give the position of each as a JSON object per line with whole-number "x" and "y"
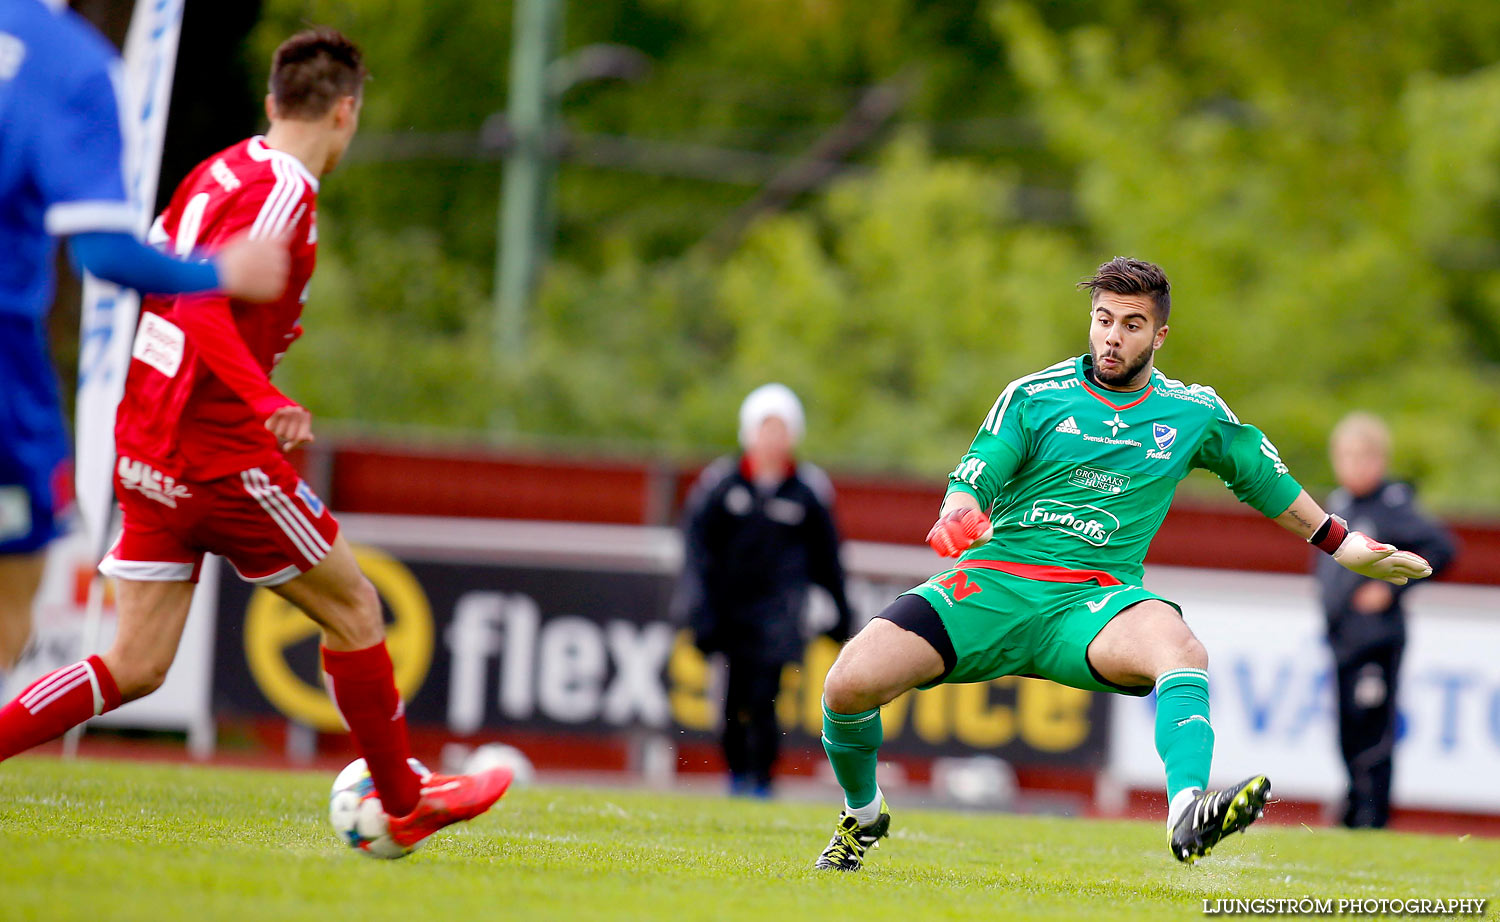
{"x": 448, "y": 799}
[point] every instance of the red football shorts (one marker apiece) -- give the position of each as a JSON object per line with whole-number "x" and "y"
{"x": 265, "y": 521}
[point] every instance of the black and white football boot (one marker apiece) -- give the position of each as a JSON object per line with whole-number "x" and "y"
{"x": 1212, "y": 815}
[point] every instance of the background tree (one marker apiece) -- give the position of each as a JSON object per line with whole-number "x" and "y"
{"x": 1322, "y": 188}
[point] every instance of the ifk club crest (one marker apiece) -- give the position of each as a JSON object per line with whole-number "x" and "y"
{"x": 1165, "y": 435}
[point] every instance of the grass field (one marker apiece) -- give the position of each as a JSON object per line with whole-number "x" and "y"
{"x": 124, "y": 841}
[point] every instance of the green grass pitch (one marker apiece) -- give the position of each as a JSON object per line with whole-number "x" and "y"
{"x": 118, "y": 841}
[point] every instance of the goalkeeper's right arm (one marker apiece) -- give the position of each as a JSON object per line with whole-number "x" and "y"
{"x": 961, "y": 525}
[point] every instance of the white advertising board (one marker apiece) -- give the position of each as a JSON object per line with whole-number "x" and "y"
{"x": 1274, "y": 702}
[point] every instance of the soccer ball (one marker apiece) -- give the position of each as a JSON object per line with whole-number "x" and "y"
{"x": 356, "y": 813}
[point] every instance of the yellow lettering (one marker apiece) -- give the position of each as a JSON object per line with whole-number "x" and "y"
{"x": 817, "y": 659}
{"x": 1054, "y": 718}
{"x": 788, "y": 702}
{"x": 931, "y": 715}
{"x": 893, "y": 715}
{"x": 274, "y": 627}
{"x": 687, "y": 671}
{"x": 976, "y": 721}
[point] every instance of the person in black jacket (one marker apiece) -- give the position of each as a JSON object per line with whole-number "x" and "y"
{"x": 757, "y": 532}
{"x": 1366, "y": 620}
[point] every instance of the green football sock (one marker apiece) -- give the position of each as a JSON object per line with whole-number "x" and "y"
{"x": 1184, "y": 737}
{"x": 852, "y": 741}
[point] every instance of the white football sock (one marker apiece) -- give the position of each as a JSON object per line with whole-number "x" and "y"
{"x": 1181, "y": 802}
{"x": 870, "y": 812}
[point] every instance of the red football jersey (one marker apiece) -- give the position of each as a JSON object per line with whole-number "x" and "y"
{"x": 195, "y": 403}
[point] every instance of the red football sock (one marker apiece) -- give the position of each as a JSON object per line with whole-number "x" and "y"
{"x": 58, "y": 700}
{"x": 364, "y": 690}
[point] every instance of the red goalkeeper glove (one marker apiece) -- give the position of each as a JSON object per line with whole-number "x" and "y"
{"x": 960, "y": 530}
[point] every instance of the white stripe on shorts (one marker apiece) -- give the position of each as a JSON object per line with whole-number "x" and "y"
{"x": 294, "y": 514}
{"x": 294, "y": 511}
{"x": 146, "y": 571}
{"x": 284, "y": 575}
{"x": 308, "y": 542}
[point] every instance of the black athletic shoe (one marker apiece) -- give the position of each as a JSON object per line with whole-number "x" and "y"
{"x": 846, "y": 850}
{"x": 1215, "y": 814}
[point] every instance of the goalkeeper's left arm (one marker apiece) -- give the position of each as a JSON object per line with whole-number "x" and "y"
{"x": 1252, "y": 467}
{"x": 1354, "y": 550}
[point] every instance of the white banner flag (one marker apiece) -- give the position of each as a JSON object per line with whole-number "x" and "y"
{"x": 109, "y": 312}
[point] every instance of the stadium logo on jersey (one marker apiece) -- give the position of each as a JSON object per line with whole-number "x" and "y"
{"x": 1165, "y": 435}
{"x": 1084, "y": 522}
{"x": 1052, "y": 385}
{"x": 1069, "y": 426}
{"x": 1091, "y": 478}
{"x": 150, "y": 482}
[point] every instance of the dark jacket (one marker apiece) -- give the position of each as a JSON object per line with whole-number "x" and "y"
{"x": 1388, "y": 514}
{"x": 749, "y": 557}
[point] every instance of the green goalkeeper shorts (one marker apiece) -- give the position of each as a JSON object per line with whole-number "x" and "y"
{"x": 1002, "y": 623}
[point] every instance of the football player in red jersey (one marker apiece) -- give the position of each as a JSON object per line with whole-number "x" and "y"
{"x": 201, "y": 435}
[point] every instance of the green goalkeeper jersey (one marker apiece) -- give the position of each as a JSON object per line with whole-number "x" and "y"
{"x": 1078, "y": 476}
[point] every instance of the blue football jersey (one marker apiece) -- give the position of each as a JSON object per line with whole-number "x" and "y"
{"x": 60, "y": 174}
{"x": 60, "y": 146}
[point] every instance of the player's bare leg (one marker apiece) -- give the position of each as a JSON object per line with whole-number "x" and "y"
{"x": 20, "y": 575}
{"x": 882, "y": 662}
{"x": 151, "y": 618}
{"x": 877, "y": 666}
{"x": 1143, "y": 642}
{"x": 152, "y": 615}
{"x": 1149, "y": 644}
{"x": 337, "y": 596}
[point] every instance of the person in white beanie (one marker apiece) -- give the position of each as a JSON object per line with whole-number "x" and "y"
{"x": 757, "y": 533}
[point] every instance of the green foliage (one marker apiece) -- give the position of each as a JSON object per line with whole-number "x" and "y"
{"x": 1305, "y": 232}
{"x": 899, "y": 306}
{"x": 1322, "y": 188}
{"x": 120, "y": 841}
{"x": 396, "y": 336}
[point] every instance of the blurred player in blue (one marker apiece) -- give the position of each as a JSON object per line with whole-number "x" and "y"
{"x": 60, "y": 176}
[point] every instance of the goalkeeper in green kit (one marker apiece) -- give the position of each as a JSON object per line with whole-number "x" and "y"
{"x": 1050, "y": 514}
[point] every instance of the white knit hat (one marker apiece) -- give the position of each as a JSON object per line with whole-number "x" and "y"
{"x": 766, "y": 401}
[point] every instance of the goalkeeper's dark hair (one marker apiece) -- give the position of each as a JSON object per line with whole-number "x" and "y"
{"x": 314, "y": 69}
{"x": 1125, "y": 276}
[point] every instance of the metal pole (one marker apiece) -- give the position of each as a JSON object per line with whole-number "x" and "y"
{"x": 524, "y": 204}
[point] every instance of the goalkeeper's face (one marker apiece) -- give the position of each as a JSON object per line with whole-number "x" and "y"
{"x": 1123, "y": 338}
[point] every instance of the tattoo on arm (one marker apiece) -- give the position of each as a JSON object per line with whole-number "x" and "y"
{"x": 1297, "y": 517}
{"x": 1302, "y": 517}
